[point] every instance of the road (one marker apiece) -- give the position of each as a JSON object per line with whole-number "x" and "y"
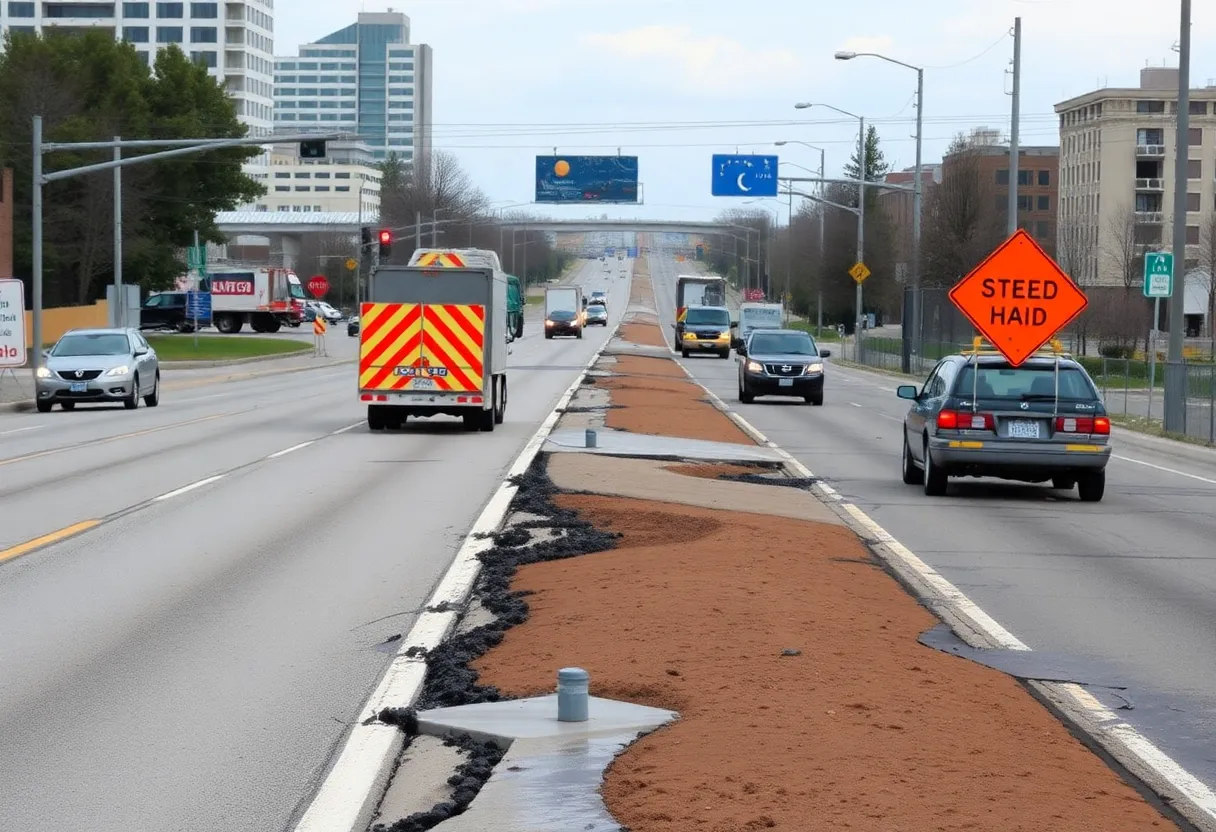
{"x": 1124, "y": 589}
{"x": 191, "y": 662}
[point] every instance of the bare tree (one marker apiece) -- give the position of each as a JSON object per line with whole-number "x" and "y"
{"x": 962, "y": 225}
{"x": 1207, "y": 261}
{"x": 1074, "y": 256}
{"x": 1123, "y": 250}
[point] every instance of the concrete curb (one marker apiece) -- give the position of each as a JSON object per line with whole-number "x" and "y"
{"x": 1175, "y": 789}
{"x": 351, "y": 790}
{"x": 28, "y": 404}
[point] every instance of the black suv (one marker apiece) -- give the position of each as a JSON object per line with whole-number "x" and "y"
{"x": 781, "y": 362}
{"x": 167, "y": 310}
{"x": 978, "y": 416}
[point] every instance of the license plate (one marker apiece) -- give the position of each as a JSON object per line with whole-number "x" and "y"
{"x": 78, "y": 387}
{"x": 424, "y": 384}
{"x": 785, "y": 382}
{"x": 1024, "y": 429}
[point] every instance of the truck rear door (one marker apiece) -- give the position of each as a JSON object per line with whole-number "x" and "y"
{"x": 414, "y": 346}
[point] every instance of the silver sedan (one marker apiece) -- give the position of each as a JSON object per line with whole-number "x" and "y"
{"x": 99, "y": 365}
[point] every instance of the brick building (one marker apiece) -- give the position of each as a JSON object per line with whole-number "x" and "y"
{"x": 897, "y": 205}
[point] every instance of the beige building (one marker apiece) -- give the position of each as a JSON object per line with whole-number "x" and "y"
{"x": 346, "y": 181}
{"x": 1117, "y": 154}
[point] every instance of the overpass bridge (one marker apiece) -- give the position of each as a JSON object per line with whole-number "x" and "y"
{"x": 284, "y": 229}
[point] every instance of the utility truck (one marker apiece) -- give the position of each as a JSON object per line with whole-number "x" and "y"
{"x": 433, "y": 340}
{"x": 696, "y": 290}
{"x": 266, "y": 299}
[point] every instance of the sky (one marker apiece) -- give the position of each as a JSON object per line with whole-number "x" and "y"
{"x": 675, "y": 81}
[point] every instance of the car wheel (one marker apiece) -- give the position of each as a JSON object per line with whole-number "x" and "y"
{"x": 684, "y": 353}
{"x": 1063, "y": 483}
{"x": 725, "y": 354}
{"x": 132, "y": 401}
{"x": 935, "y": 478}
{"x": 67, "y": 405}
{"x": 815, "y": 399}
{"x": 745, "y": 396}
{"x": 44, "y": 405}
{"x": 912, "y": 474}
{"x": 1092, "y": 485}
{"x": 153, "y": 398}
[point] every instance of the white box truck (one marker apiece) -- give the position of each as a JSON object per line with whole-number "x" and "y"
{"x": 758, "y": 316}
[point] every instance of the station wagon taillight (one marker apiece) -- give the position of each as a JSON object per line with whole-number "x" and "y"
{"x": 961, "y": 420}
{"x": 1083, "y": 424}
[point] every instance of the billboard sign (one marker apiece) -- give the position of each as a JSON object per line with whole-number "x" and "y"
{"x": 587, "y": 179}
{"x": 749, "y": 176}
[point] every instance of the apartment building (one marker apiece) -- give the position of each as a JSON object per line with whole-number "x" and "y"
{"x": 1117, "y": 188}
{"x": 898, "y": 205}
{"x": 1038, "y": 182}
{"x": 234, "y": 40}
{"x": 346, "y": 181}
{"x": 366, "y": 78}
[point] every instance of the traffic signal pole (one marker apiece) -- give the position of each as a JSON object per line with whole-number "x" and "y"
{"x": 178, "y": 147}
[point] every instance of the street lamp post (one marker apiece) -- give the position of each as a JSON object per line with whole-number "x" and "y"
{"x": 861, "y": 205}
{"x": 822, "y": 221}
{"x": 911, "y": 344}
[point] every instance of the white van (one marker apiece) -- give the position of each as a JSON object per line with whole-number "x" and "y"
{"x": 759, "y": 316}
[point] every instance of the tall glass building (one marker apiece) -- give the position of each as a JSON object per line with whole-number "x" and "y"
{"x": 367, "y": 78}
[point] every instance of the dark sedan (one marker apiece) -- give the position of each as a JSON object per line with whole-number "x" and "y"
{"x": 781, "y": 362}
{"x": 564, "y": 322}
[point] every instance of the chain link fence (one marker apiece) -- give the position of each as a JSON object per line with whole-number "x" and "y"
{"x": 1130, "y": 387}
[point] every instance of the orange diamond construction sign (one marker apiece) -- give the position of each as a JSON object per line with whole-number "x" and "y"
{"x": 1018, "y": 298}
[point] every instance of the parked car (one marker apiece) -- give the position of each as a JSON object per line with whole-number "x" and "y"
{"x": 979, "y": 416}
{"x": 781, "y": 362}
{"x": 97, "y": 366}
{"x": 313, "y": 308}
{"x": 168, "y": 310}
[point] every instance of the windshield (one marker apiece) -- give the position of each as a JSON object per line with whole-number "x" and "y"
{"x": 561, "y": 315}
{"x": 707, "y": 317}
{"x": 295, "y": 289}
{"x": 596, "y": 309}
{"x": 1025, "y": 383}
{"x": 108, "y": 343}
{"x": 784, "y": 343}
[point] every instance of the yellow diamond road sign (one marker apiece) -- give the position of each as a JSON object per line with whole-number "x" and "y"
{"x": 351, "y": 264}
{"x": 859, "y": 272}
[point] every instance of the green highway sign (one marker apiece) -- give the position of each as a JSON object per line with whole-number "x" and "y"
{"x": 1158, "y": 274}
{"x": 196, "y": 258}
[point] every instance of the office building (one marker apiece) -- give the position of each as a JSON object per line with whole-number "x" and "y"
{"x": 345, "y": 181}
{"x": 234, "y": 40}
{"x": 366, "y": 78}
{"x": 1117, "y": 182}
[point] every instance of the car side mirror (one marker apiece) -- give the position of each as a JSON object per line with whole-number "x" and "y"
{"x": 826, "y": 353}
{"x": 46, "y": 353}
{"x": 741, "y": 349}
{"x": 140, "y": 351}
{"x": 906, "y": 391}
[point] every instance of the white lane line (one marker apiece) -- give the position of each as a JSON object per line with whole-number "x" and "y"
{"x": 351, "y": 791}
{"x": 1174, "y": 471}
{"x": 349, "y": 427}
{"x": 21, "y": 430}
{"x": 293, "y": 448}
{"x": 855, "y": 404}
{"x": 1186, "y": 793}
{"x": 177, "y": 492}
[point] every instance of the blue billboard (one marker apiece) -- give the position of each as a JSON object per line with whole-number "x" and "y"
{"x": 587, "y": 179}
{"x": 750, "y": 176}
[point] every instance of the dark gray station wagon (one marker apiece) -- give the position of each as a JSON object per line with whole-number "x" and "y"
{"x": 978, "y": 416}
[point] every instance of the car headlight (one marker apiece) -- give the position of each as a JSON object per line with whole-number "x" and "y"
{"x": 43, "y": 372}
{"x": 548, "y": 323}
{"x": 755, "y": 367}
{"x": 811, "y": 369}
{"x": 119, "y": 371}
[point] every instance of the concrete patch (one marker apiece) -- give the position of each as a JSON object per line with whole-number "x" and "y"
{"x": 624, "y": 443}
{"x": 645, "y": 479}
{"x": 421, "y": 779}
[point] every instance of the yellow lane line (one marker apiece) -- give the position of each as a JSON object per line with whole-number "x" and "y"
{"x": 47, "y": 539}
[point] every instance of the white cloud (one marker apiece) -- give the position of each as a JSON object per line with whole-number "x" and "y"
{"x": 704, "y": 65}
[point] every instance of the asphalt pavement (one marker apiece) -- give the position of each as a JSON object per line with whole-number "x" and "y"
{"x": 1121, "y": 590}
{"x": 190, "y": 659}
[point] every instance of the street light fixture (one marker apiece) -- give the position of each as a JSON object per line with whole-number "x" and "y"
{"x": 912, "y": 310}
{"x": 861, "y": 201}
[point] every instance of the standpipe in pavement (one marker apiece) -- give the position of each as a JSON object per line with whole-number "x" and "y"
{"x": 700, "y": 584}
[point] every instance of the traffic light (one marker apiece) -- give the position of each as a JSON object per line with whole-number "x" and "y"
{"x": 365, "y": 234}
{"x": 312, "y": 149}
{"x": 386, "y": 243}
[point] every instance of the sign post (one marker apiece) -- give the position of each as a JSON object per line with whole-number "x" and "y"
{"x": 1018, "y": 298}
{"x": 1158, "y": 284}
{"x": 859, "y": 271}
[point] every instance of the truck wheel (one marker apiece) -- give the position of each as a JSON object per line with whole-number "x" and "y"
{"x": 256, "y": 324}
{"x": 274, "y": 326}
{"x": 500, "y": 405}
{"x": 472, "y": 421}
{"x": 519, "y": 327}
{"x": 228, "y": 324}
{"x": 485, "y": 420}
{"x": 375, "y": 418}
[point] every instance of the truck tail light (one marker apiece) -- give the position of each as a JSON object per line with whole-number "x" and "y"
{"x": 1099, "y": 425}
{"x": 961, "y": 420}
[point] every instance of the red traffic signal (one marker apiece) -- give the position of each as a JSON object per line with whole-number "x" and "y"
{"x": 386, "y": 238}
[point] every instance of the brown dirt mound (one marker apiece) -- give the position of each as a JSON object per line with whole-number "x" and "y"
{"x": 863, "y": 729}
{"x": 668, "y": 407}
{"x": 712, "y": 472}
{"x": 639, "y": 332}
{"x": 638, "y": 365}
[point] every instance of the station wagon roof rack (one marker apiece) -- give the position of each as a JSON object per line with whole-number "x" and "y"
{"x": 1052, "y": 349}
